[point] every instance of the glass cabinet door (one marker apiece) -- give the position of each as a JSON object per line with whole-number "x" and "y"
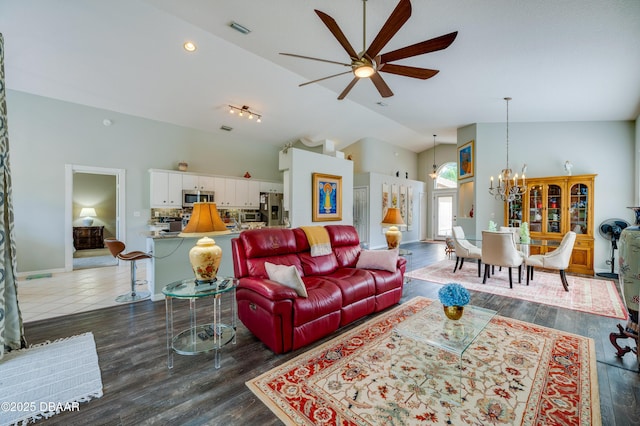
{"x": 514, "y": 212}
{"x": 554, "y": 209}
{"x": 535, "y": 208}
{"x": 578, "y": 211}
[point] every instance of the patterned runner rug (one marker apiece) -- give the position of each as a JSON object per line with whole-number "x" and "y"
{"x": 514, "y": 373}
{"x": 595, "y": 296}
{"x": 46, "y": 379}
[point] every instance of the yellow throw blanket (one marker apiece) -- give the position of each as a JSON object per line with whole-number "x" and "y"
{"x": 319, "y": 241}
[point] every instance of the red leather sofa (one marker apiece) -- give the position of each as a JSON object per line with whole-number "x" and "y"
{"x": 338, "y": 292}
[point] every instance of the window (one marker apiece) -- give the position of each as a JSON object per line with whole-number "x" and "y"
{"x": 447, "y": 176}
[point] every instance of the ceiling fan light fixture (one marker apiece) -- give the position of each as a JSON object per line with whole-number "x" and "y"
{"x": 364, "y": 71}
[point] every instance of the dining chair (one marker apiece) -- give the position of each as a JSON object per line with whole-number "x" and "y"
{"x": 557, "y": 260}
{"x": 464, "y": 249}
{"x": 499, "y": 249}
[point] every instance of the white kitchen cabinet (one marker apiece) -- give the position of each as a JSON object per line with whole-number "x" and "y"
{"x": 247, "y": 194}
{"x": 225, "y": 192}
{"x": 198, "y": 183}
{"x": 272, "y": 187}
{"x": 230, "y": 192}
{"x": 166, "y": 189}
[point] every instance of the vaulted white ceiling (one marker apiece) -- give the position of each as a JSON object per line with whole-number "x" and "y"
{"x": 560, "y": 60}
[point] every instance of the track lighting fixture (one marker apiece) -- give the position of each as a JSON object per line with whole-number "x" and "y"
{"x": 244, "y": 110}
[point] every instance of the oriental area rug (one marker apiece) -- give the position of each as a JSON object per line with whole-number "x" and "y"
{"x": 49, "y": 378}
{"x": 514, "y": 373}
{"x": 594, "y": 296}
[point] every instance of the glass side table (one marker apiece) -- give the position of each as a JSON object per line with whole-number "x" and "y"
{"x": 210, "y": 336}
{"x": 429, "y": 331}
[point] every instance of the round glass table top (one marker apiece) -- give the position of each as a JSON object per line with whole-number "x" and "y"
{"x": 188, "y": 288}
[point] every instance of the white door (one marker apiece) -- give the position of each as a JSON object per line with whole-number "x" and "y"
{"x": 361, "y": 213}
{"x": 444, "y": 213}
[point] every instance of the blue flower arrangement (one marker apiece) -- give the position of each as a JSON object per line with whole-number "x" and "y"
{"x": 453, "y": 294}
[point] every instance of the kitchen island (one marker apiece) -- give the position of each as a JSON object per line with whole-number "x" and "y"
{"x": 170, "y": 261}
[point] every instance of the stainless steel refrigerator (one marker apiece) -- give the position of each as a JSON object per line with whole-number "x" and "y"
{"x": 271, "y": 208}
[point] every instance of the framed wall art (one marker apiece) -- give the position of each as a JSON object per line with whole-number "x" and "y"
{"x": 385, "y": 198}
{"x": 466, "y": 164}
{"x": 327, "y": 197}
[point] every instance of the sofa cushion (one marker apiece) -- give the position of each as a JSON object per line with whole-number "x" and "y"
{"x": 345, "y": 244}
{"x": 324, "y": 298}
{"x": 386, "y": 260}
{"x": 321, "y": 265}
{"x": 268, "y": 242}
{"x": 288, "y": 276}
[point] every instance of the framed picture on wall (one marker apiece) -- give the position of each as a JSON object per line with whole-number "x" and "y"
{"x": 327, "y": 197}
{"x": 385, "y": 198}
{"x": 466, "y": 164}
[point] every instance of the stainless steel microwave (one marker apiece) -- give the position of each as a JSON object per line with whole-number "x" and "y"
{"x": 190, "y": 196}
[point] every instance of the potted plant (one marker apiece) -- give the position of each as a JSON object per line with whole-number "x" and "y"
{"x": 453, "y": 297}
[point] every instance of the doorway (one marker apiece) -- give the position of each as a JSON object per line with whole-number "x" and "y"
{"x": 102, "y": 191}
{"x": 444, "y": 213}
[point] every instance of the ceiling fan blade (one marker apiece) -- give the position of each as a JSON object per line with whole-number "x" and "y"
{"x": 348, "y": 88}
{"x": 406, "y": 71}
{"x": 315, "y": 59}
{"x": 323, "y": 78}
{"x": 396, "y": 20}
{"x": 421, "y": 48}
{"x": 380, "y": 84}
{"x": 337, "y": 33}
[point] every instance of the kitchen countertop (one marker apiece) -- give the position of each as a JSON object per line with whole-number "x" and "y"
{"x": 167, "y": 235}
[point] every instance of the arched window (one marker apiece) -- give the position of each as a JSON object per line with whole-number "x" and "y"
{"x": 447, "y": 177}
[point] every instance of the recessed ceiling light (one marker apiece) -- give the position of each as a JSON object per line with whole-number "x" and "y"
{"x": 189, "y": 46}
{"x": 240, "y": 28}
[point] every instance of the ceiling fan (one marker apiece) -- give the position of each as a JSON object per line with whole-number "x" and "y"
{"x": 369, "y": 63}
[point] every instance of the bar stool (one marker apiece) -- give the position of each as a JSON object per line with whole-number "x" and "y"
{"x": 116, "y": 248}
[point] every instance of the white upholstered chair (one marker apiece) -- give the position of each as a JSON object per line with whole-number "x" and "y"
{"x": 464, "y": 249}
{"x": 557, "y": 259}
{"x": 499, "y": 249}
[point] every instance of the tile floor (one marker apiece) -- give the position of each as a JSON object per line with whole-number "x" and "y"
{"x": 78, "y": 291}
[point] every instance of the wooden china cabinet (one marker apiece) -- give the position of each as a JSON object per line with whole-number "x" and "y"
{"x": 554, "y": 206}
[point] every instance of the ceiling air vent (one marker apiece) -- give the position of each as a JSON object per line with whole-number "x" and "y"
{"x": 226, "y": 128}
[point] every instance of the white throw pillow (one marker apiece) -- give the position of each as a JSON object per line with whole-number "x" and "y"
{"x": 386, "y": 260}
{"x": 288, "y": 276}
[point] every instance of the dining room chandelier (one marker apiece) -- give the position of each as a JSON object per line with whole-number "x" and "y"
{"x": 244, "y": 111}
{"x": 509, "y": 188}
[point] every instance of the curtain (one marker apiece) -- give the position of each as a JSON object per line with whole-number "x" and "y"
{"x": 11, "y": 327}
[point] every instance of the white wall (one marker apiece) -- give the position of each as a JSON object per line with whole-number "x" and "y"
{"x": 301, "y": 165}
{"x": 46, "y": 134}
{"x": 375, "y": 156}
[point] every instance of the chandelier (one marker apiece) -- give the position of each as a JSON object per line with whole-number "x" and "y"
{"x": 434, "y": 173}
{"x": 508, "y": 188}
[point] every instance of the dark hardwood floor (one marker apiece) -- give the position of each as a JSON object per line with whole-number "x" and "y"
{"x": 139, "y": 389}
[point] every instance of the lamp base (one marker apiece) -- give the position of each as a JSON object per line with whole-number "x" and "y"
{"x": 205, "y": 259}
{"x": 393, "y": 236}
{"x": 87, "y": 221}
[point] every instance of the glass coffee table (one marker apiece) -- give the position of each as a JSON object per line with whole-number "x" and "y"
{"x": 435, "y": 345}
{"x": 210, "y": 335}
